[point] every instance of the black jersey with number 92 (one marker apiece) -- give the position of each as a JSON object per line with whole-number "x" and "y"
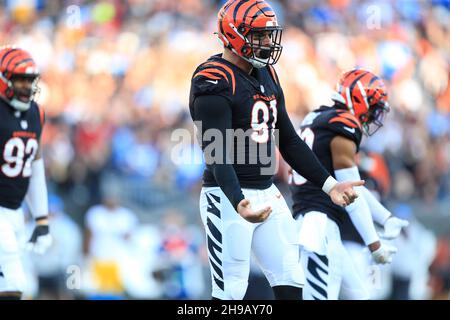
{"x": 318, "y": 129}
{"x": 20, "y": 133}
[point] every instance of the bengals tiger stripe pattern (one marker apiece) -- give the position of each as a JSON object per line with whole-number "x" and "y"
{"x": 215, "y": 71}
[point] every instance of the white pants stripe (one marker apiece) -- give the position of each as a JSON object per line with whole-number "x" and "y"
{"x": 231, "y": 240}
{"x": 327, "y": 264}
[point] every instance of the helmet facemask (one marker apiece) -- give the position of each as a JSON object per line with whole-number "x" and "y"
{"x": 24, "y": 88}
{"x": 364, "y": 95}
{"x": 249, "y": 28}
{"x": 373, "y": 120}
{"x": 263, "y": 45}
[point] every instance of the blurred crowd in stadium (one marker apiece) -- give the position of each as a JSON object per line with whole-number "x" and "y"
{"x": 115, "y": 84}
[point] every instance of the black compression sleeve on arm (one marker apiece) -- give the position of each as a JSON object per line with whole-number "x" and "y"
{"x": 214, "y": 112}
{"x": 296, "y": 152}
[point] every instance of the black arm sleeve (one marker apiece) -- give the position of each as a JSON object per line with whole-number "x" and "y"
{"x": 214, "y": 112}
{"x": 296, "y": 152}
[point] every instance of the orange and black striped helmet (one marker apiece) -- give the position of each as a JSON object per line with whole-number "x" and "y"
{"x": 17, "y": 63}
{"x": 250, "y": 29}
{"x": 364, "y": 94}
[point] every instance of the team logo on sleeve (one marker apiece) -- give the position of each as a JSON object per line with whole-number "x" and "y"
{"x": 346, "y": 119}
{"x": 351, "y": 130}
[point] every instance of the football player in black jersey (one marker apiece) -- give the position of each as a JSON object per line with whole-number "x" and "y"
{"x": 22, "y": 173}
{"x": 238, "y": 107}
{"x": 334, "y": 134}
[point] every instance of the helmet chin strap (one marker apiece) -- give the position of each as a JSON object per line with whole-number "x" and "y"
{"x": 255, "y": 63}
{"x": 258, "y": 63}
{"x": 19, "y": 105}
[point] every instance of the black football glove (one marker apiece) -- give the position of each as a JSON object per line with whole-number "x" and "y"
{"x": 41, "y": 239}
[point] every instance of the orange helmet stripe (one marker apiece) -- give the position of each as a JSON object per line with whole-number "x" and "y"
{"x": 355, "y": 79}
{"x": 237, "y": 18}
{"x": 15, "y": 61}
{"x": 230, "y": 4}
{"x": 5, "y": 55}
{"x": 8, "y": 59}
{"x": 265, "y": 9}
{"x": 236, "y": 9}
{"x": 361, "y": 91}
{"x": 250, "y": 12}
{"x": 17, "y": 58}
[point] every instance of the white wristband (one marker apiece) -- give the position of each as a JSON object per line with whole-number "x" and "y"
{"x": 329, "y": 184}
{"x": 36, "y": 196}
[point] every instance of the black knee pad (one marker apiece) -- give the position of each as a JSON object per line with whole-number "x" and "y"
{"x": 287, "y": 293}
